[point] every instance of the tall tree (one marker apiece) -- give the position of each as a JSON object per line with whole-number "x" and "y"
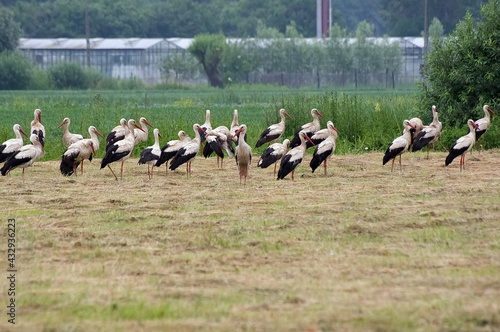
{"x": 463, "y": 71}
{"x": 209, "y": 50}
{"x": 10, "y": 32}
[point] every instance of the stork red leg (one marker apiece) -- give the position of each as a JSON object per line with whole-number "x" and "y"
{"x": 400, "y": 168}
{"x": 23, "y": 175}
{"x": 324, "y": 164}
{"x": 81, "y": 168}
{"x": 292, "y": 174}
{"x": 121, "y": 172}
{"x": 392, "y": 168}
{"x": 275, "y": 169}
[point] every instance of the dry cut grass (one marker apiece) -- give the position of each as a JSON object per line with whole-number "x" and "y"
{"x": 362, "y": 249}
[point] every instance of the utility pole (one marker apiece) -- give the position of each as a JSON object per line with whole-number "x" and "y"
{"x": 426, "y": 29}
{"x": 87, "y": 31}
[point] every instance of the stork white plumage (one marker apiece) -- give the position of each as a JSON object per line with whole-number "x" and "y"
{"x": 76, "y": 154}
{"x": 69, "y": 138}
{"x": 309, "y": 128}
{"x": 117, "y": 133}
{"x": 234, "y": 127}
{"x": 462, "y": 145}
{"x": 243, "y": 153}
{"x": 38, "y": 129}
{"x": 218, "y": 140}
{"x": 121, "y": 150}
{"x": 273, "y": 133}
{"x": 293, "y": 157}
{"x": 141, "y": 135}
{"x": 151, "y": 154}
{"x": 93, "y": 132}
{"x": 10, "y": 146}
{"x": 325, "y": 149}
{"x": 25, "y": 156}
{"x": 429, "y": 134}
{"x": 483, "y": 125}
{"x": 415, "y": 130}
{"x": 272, "y": 154}
{"x": 188, "y": 152}
{"x": 318, "y": 137}
{"x": 169, "y": 150}
{"x": 205, "y": 127}
{"x": 399, "y": 146}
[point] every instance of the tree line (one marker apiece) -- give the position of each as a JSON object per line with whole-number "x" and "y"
{"x": 233, "y": 18}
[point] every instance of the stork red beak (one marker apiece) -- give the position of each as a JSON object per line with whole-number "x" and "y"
{"x": 310, "y": 139}
{"x": 59, "y": 125}
{"x": 98, "y": 133}
{"x": 139, "y": 127}
{"x": 203, "y": 130}
{"x": 491, "y": 111}
{"x": 159, "y": 135}
{"x": 409, "y": 124}
{"x": 40, "y": 117}
{"x": 146, "y": 122}
{"x": 321, "y": 115}
{"x": 287, "y": 115}
{"x": 336, "y": 130}
{"x": 23, "y": 132}
{"x": 237, "y": 132}
{"x": 475, "y": 125}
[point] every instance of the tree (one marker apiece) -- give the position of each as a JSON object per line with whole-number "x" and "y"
{"x": 15, "y": 71}
{"x": 464, "y": 70}
{"x": 183, "y": 65}
{"x": 209, "y": 50}
{"x": 10, "y": 32}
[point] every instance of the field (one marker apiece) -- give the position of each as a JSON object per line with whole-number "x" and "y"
{"x": 363, "y": 249}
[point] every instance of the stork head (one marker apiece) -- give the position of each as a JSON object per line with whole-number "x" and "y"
{"x": 283, "y": 112}
{"x": 303, "y": 137}
{"x": 38, "y": 115}
{"x": 66, "y": 120}
{"x": 486, "y": 108}
{"x": 314, "y": 112}
{"x": 143, "y": 120}
{"x": 18, "y": 127}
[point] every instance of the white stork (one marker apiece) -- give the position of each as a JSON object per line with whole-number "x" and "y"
{"x": 483, "y": 125}
{"x": 293, "y": 157}
{"x": 117, "y": 133}
{"x": 76, "y": 154}
{"x": 10, "y": 146}
{"x": 462, "y": 145}
{"x": 325, "y": 149}
{"x": 141, "y": 135}
{"x": 93, "y": 132}
{"x": 205, "y": 127}
{"x": 309, "y": 128}
{"x": 234, "y": 127}
{"x": 429, "y": 134}
{"x": 169, "y": 150}
{"x": 37, "y": 128}
{"x": 218, "y": 140}
{"x": 25, "y": 156}
{"x": 69, "y": 138}
{"x": 188, "y": 152}
{"x": 273, "y": 132}
{"x": 151, "y": 154}
{"x": 399, "y": 146}
{"x": 318, "y": 137}
{"x": 273, "y": 154}
{"x": 415, "y": 130}
{"x": 121, "y": 150}
{"x": 243, "y": 153}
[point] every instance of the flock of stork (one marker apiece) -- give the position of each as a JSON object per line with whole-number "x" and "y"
{"x": 122, "y": 139}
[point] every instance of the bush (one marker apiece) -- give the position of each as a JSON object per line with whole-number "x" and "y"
{"x": 15, "y": 71}
{"x": 464, "y": 70}
{"x": 40, "y": 80}
{"x": 67, "y": 75}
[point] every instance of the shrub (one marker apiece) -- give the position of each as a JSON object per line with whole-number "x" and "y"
{"x": 67, "y": 75}
{"x": 15, "y": 71}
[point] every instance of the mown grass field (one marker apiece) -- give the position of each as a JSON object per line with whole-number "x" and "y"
{"x": 362, "y": 249}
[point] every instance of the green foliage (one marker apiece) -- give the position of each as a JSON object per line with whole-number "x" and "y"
{"x": 10, "y": 32}
{"x": 181, "y": 65}
{"x": 463, "y": 71}
{"x": 40, "y": 80}
{"x": 68, "y": 75}
{"x": 209, "y": 50}
{"x": 436, "y": 29}
{"x": 15, "y": 71}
